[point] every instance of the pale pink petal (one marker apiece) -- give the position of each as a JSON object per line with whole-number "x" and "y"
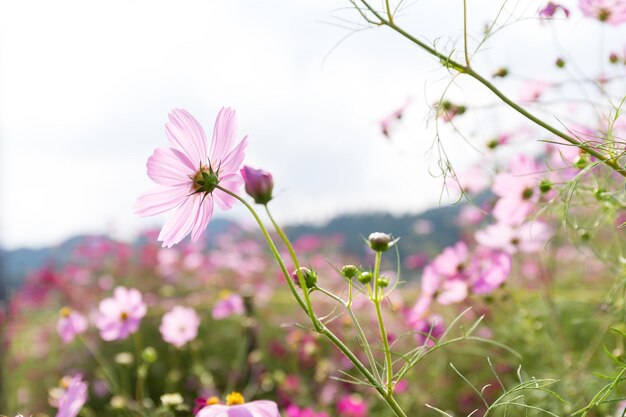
{"x": 186, "y": 135}
{"x": 181, "y": 222}
{"x": 223, "y": 200}
{"x": 204, "y": 215}
{"x": 159, "y": 200}
{"x": 224, "y": 134}
{"x": 232, "y": 162}
{"x": 167, "y": 166}
{"x": 109, "y": 307}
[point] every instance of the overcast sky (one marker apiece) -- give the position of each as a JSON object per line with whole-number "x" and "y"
{"x": 85, "y": 88}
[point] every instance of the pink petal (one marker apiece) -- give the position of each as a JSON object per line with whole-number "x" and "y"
{"x": 223, "y": 134}
{"x": 231, "y": 163}
{"x": 170, "y": 167}
{"x": 181, "y": 222}
{"x": 186, "y": 135}
{"x": 159, "y": 200}
{"x": 204, "y": 215}
{"x": 225, "y": 201}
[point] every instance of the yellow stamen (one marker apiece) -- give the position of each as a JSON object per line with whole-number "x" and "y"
{"x": 234, "y": 398}
{"x": 66, "y": 311}
{"x": 223, "y": 294}
{"x": 212, "y": 400}
{"x": 124, "y": 316}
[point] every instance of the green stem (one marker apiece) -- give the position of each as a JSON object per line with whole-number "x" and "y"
{"x": 294, "y": 259}
{"x": 381, "y": 325}
{"x": 102, "y": 362}
{"x": 448, "y": 62}
{"x": 323, "y": 329}
{"x": 142, "y": 370}
{"x": 272, "y": 246}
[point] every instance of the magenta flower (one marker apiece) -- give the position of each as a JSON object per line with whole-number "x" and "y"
{"x": 427, "y": 329}
{"x": 120, "y": 315}
{"x": 259, "y": 184}
{"x": 228, "y": 305}
{"x": 188, "y": 176}
{"x": 352, "y": 406}
{"x": 610, "y": 11}
{"x": 73, "y": 399}
{"x": 236, "y": 407}
{"x": 551, "y": 8}
{"x": 70, "y": 324}
{"x": 179, "y": 326}
{"x": 295, "y": 411}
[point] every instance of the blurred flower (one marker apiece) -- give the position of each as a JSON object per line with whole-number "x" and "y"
{"x": 295, "y": 411}
{"x": 352, "y": 406}
{"x": 236, "y": 406}
{"x": 489, "y": 270}
{"x": 551, "y": 8}
{"x": 258, "y": 184}
{"x": 120, "y": 315}
{"x": 170, "y": 400}
{"x": 70, "y": 324}
{"x": 533, "y": 90}
{"x": 228, "y": 305}
{"x": 530, "y": 237}
{"x": 387, "y": 122}
{"x": 179, "y": 326}
{"x": 188, "y": 176}
{"x": 610, "y": 11}
{"x": 73, "y": 399}
{"x": 203, "y": 402}
{"x": 427, "y": 329}
{"x": 518, "y": 190}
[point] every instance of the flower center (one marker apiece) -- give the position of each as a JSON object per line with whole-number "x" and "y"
{"x": 124, "y": 316}
{"x": 66, "y": 311}
{"x": 212, "y": 400}
{"x": 234, "y": 398}
{"x": 205, "y": 180}
{"x": 527, "y": 193}
{"x": 604, "y": 14}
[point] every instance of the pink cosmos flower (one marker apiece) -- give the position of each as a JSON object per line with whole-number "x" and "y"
{"x": 551, "y": 8}
{"x": 518, "y": 190}
{"x": 387, "y": 122}
{"x": 120, "y": 315}
{"x": 610, "y": 11}
{"x": 70, "y": 324}
{"x": 228, "y": 305}
{"x": 74, "y": 397}
{"x": 236, "y": 407}
{"x": 179, "y": 326}
{"x": 530, "y": 237}
{"x": 427, "y": 329}
{"x": 189, "y": 176}
{"x": 489, "y": 270}
{"x": 352, "y": 406}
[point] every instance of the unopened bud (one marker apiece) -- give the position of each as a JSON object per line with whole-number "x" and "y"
{"x": 259, "y": 184}
{"x": 310, "y": 277}
{"x": 149, "y": 355}
{"x": 560, "y": 63}
{"x": 349, "y": 271}
{"x": 365, "y": 277}
{"x": 380, "y": 242}
{"x": 383, "y": 281}
{"x": 613, "y": 58}
{"x": 545, "y": 186}
{"x": 501, "y": 72}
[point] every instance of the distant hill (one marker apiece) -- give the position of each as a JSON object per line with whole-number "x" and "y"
{"x": 428, "y": 232}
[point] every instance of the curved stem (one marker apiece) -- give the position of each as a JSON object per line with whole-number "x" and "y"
{"x": 294, "y": 259}
{"x": 448, "y": 62}
{"x": 272, "y": 246}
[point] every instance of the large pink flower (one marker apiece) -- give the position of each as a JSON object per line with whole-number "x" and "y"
{"x": 188, "y": 175}
{"x": 236, "y": 407}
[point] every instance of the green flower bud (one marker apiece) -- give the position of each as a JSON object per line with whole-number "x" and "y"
{"x": 349, "y": 271}
{"x": 383, "y": 281}
{"x": 560, "y": 63}
{"x": 380, "y": 242}
{"x": 545, "y": 186}
{"x": 365, "y": 277}
{"x": 149, "y": 355}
